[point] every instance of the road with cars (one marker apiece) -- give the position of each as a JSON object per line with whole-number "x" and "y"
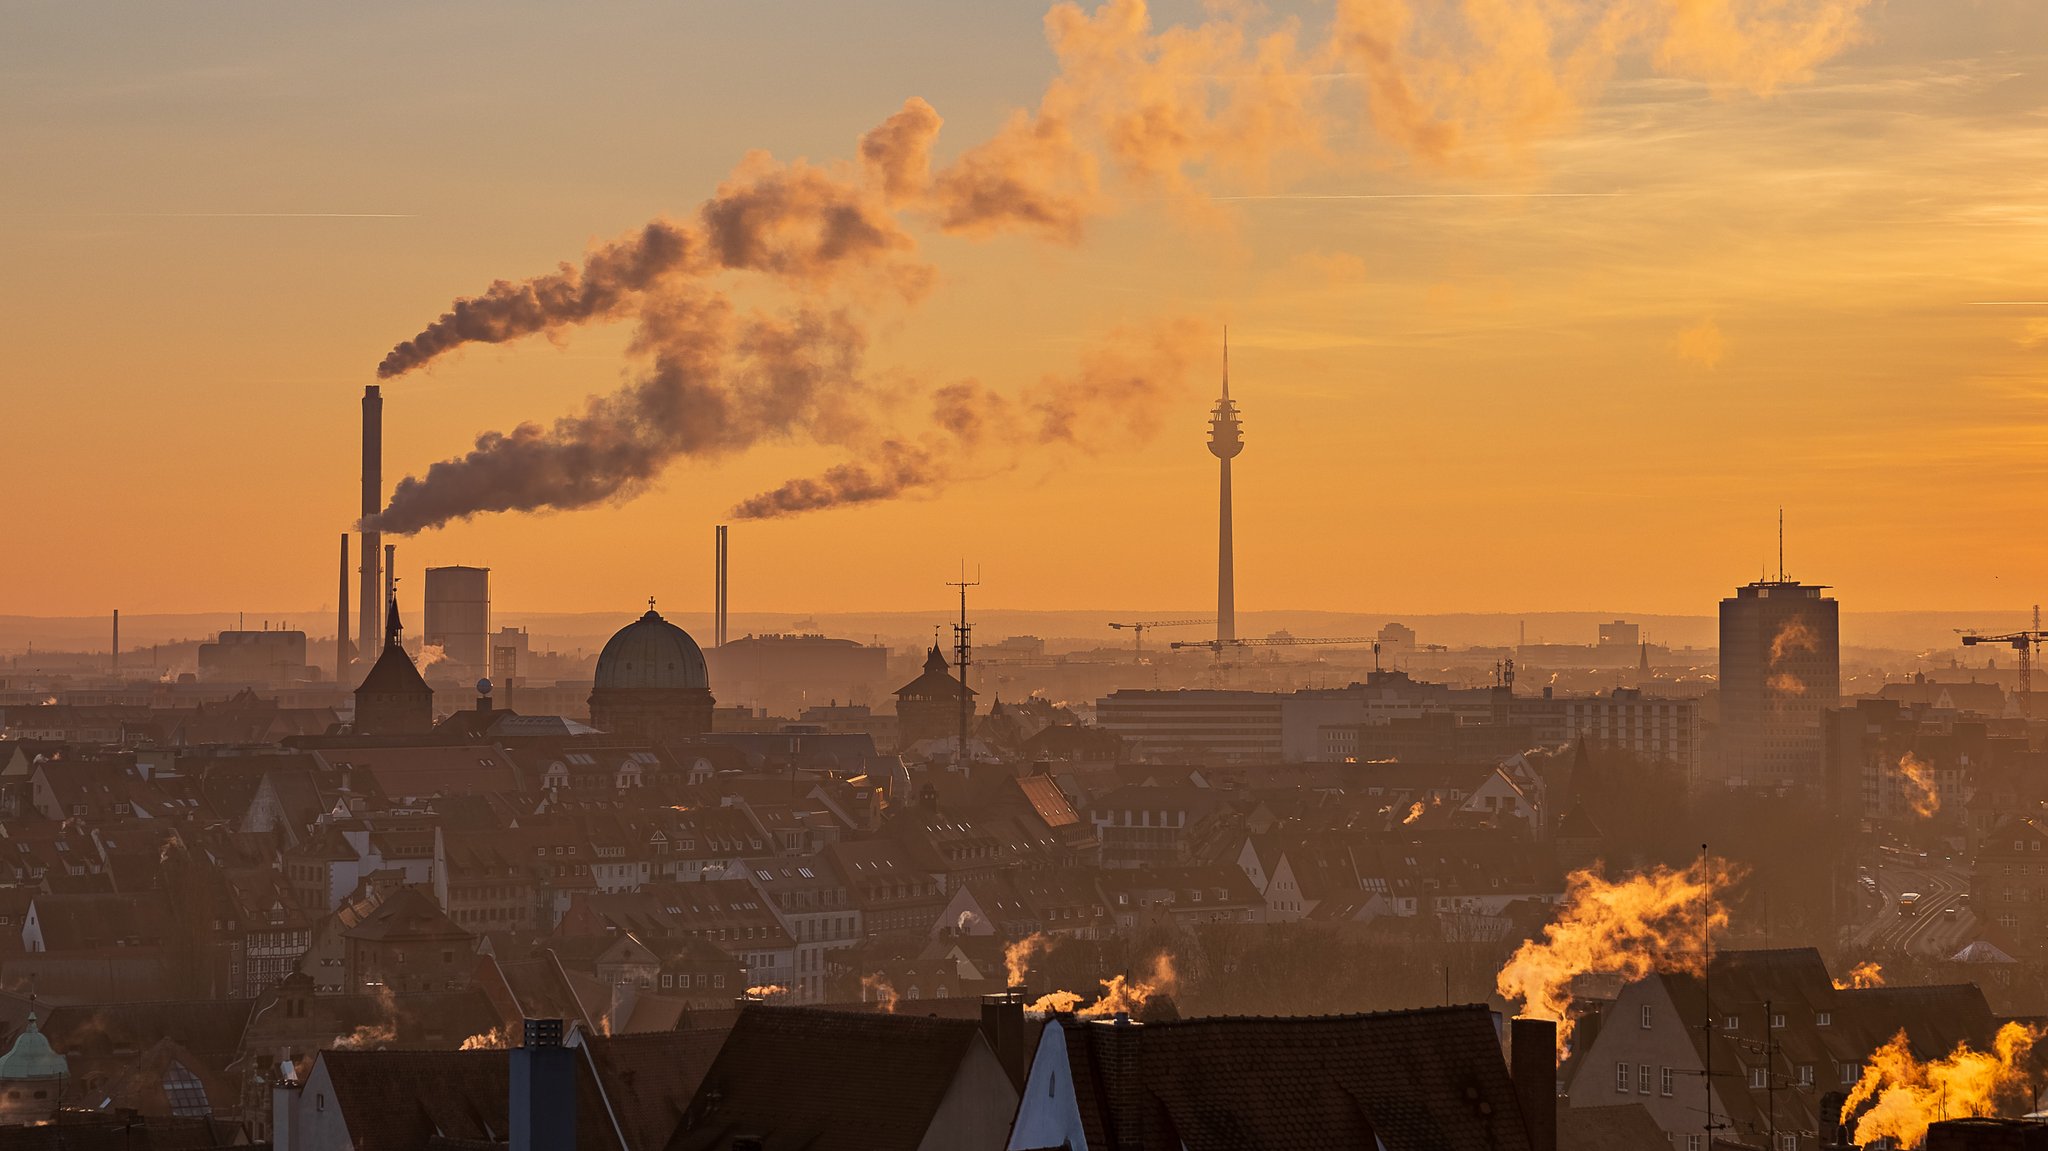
{"x": 1941, "y": 922}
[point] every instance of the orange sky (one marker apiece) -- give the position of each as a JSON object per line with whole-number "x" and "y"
{"x": 1574, "y": 360}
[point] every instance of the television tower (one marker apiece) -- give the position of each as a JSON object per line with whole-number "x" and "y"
{"x": 1224, "y": 444}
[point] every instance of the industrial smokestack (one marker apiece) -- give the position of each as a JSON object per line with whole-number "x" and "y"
{"x": 117, "y": 641}
{"x": 341, "y": 621}
{"x": 1532, "y": 1065}
{"x": 370, "y": 608}
{"x": 718, "y": 594}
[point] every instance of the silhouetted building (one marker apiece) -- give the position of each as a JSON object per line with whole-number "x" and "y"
{"x": 261, "y": 657}
{"x": 652, "y": 683}
{"x": 784, "y": 673}
{"x": 1780, "y": 669}
{"x": 393, "y": 699}
{"x": 458, "y": 621}
{"x": 928, "y": 707}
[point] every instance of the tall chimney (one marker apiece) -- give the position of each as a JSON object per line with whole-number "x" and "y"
{"x": 370, "y": 609}
{"x": 117, "y": 641}
{"x": 1532, "y": 1064}
{"x": 543, "y": 1090}
{"x": 718, "y": 594}
{"x": 341, "y": 621}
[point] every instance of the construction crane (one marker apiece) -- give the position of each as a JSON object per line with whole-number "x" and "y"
{"x": 1411, "y": 647}
{"x": 2023, "y": 642}
{"x": 1137, "y": 630}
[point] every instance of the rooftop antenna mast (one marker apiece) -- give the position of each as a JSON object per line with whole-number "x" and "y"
{"x": 963, "y": 657}
{"x": 1781, "y": 543}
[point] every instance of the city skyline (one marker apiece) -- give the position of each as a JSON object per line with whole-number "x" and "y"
{"x": 1556, "y": 339}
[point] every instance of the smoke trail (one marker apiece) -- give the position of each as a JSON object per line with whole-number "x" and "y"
{"x": 1132, "y": 108}
{"x": 1652, "y": 921}
{"x": 1114, "y": 397}
{"x": 794, "y": 222}
{"x": 719, "y": 384}
{"x": 1905, "y": 1096}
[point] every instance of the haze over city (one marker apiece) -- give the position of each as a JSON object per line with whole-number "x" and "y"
{"x": 1608, "y": 319}
{"x": 1425, "y": 575}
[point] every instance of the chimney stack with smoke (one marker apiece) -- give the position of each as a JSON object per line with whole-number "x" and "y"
{"x": 1532, "y": 1064}
{"x": 370, "y": 606}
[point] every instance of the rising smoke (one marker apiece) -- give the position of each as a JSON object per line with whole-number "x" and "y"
{"x": 1659, "y": 920}
{"x": 1900, "y": 1096}
{"x": 1134, "y": 110}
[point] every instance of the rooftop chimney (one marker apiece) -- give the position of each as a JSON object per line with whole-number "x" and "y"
{"x": 1532, "y": 1064}
{"x": 543, "y": 1090}
{"x": 1002, "y": 1024}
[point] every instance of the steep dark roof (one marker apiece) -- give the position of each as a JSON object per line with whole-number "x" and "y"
{"x": 394, "y": 674}
{"x": 407, "y": 914}
{"x": 651, "y": 1078}
{"x": 1412, "y": 1080}
{"x": 936, "y": 682}
{"x": 1625, "y": 1127}
{"x": 398, "y": 1100}
{"x": 827, "y": 1080}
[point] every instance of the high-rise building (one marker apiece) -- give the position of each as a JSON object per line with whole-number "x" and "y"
{"x": 1780, "y": 670}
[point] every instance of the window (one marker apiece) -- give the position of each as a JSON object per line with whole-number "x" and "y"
{"x": 1732, "y": 1023}
{"x": 1646, "y": 1017}
{"x": 1788, "y": 1142}
{"x": 1642, "y": 1079}
{"x": 1851, "y": 1073}
{"x": 1665, "y": 1082}
{"x": 1692, "y": 1142}
{"x": 1758, "y": 1078}
{"x": 184, "y": 1092}
{"x": 1777, "y": 1020}
{"x": 1823, "y": 1018}
{"x": 1806, "y": 1074}
{"x": 1621, "y": 1078}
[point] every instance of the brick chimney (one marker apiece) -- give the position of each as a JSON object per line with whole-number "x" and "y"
{"x": 1532, "y": 1064}
{"x": 543, "y": 1090}
{"x": 1002, "y": 1024}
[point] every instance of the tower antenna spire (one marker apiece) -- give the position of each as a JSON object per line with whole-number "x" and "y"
{"x": 1226, "y": 361}
{"x": 1781, "y": 543}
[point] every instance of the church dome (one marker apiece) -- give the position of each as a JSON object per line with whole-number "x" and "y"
{"x": 651, "y": 653}
{"x": 32, "y": 1057}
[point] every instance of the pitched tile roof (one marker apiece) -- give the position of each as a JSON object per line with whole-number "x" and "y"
{"x": 827, "y": 1080}
{"x": 1431, "y": 1079}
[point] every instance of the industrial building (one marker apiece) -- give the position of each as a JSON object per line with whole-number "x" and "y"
{"x": 458, "y": 621}
{"x": 268, "y": 658}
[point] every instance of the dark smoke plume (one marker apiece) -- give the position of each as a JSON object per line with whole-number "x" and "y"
{"x": 611, "y": 277}
{"x": 1163, "y": 112}
{"x": 718, "y": 384}
{"x": 1112, "y": 400}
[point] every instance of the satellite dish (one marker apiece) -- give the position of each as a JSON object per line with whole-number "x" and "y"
{"x": 483, "y": 686}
